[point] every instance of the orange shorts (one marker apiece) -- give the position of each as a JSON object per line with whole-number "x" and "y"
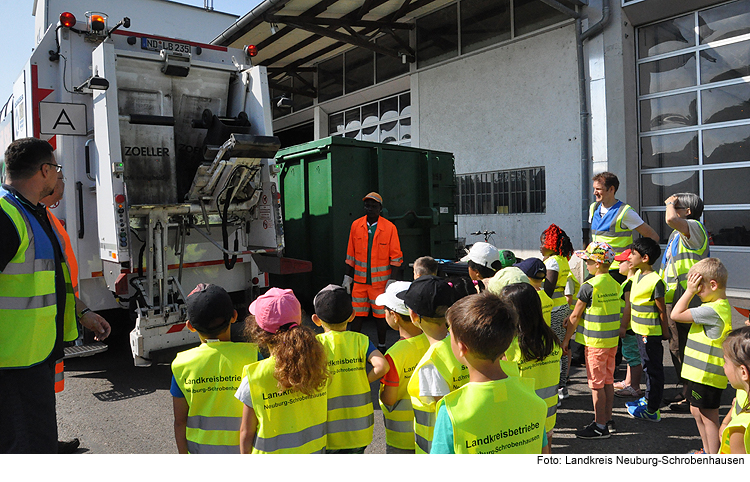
{"x": 600, "y": 366}
{"x": 363, "y": 298}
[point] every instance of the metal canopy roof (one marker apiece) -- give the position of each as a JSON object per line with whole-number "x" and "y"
{"x": 292, "y": 35}
{"x": 308, "y": 31}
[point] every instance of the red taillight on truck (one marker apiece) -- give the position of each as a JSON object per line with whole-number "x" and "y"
{"x": 251, "y": 50}
{"x": 67, "y": 20}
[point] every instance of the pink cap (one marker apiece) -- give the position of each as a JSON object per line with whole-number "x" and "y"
{"x": 276, "y": 308}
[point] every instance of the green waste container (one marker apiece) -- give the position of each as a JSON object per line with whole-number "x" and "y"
{"x": 322, "y": 184}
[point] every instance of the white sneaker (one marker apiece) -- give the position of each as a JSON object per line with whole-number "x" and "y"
{"x": 562, "y": 393}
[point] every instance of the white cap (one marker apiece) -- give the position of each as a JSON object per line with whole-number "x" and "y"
{"x": 390, "y": 300}
{"x": 483, "y": 254}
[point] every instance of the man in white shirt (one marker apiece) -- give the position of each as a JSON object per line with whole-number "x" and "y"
{"x": 613, "y": 221}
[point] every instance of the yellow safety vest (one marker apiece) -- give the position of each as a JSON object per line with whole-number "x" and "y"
{"x": 675, "y": 270}
{"x": 209, "y": 376}
{"x": 644, "y": 315}
{"x": 547, "y": 305}
{"x": 704, "y": 357}
{"x": 399, "y": 419}
{"x": 576, "y": 286}
{"x": 600, "y": 326}
{"x": 486, "y": 417}
{"x": 609, "y": 229}
{"x": 289, "y": 422}
{"x": 27, "y": 292}
{"x": 454, "y": 373}
{"x": 558, "y": 296}
{"x": 546, "y": 375}
{"x": 350, "y": 413}
{"x": 739, "y": 419}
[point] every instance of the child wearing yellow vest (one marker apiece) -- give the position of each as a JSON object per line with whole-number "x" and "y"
{"x": 285, "y": 395}
{"x": 402, "y": 358}
{"x": 736, "y": 427}
{"x": 595, "y": 321}
{"x": 535, "y": 348}
{"x": 536, "y": 271}
{"x": 207, "y": 417}
{"x": 494, "y": 413}
{"x": 703, "y": 364}
{"x": 631, "y": 385}
{"x": 350, "y": 413}
{"x": 438, "y": 372}
{"x": 646, "y": 313}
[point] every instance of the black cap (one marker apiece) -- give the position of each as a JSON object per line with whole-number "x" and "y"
{"x": 533, "y": 268}
{"x": 333, "y": 304}
{"x": 426, "y": 293}
{"x": 209, "y": 308}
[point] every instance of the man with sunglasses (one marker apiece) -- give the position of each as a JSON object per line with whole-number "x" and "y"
{"x": 687, "y": 245}
{"x": 37, "y": 306}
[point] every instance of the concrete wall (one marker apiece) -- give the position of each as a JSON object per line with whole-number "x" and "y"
{"x": 510, "y": 107}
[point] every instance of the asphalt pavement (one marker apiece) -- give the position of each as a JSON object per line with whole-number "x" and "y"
{"x": 113, "y": 407}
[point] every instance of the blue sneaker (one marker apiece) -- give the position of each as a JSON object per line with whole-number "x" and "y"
{"x": 641, "y": 412}
{"x": 641, "y": 402}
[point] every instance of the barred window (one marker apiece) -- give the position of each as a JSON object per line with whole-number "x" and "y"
{"x": 516, "y": 191}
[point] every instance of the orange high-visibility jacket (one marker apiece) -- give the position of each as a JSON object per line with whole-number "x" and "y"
{"x": 386, "y": 250}
{"x": 70, "y": 257}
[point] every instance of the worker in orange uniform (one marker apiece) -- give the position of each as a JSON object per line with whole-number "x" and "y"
{"x": 51, "y": 201}
{"x": 373, "y": 258}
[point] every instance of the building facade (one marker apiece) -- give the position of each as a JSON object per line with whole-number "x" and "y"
{"x": 533, "y": 97}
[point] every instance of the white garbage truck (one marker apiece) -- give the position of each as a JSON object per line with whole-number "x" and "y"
{"x": 167, "y": 151}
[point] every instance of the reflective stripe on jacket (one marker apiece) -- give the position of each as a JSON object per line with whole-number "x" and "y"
{"x": 209, "y": 376}
{"x": 350, "y": 413}
{"x": 386, "y": 250}
{"x": 59, "y": 376}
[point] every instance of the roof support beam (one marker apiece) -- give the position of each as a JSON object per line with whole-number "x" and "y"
{"x": 355, "y": 40}
{"x": 338, "y": 22}
{"x": 284, "y": 70}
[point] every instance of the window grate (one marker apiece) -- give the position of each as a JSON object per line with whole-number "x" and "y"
{"x": 516, "y": 191}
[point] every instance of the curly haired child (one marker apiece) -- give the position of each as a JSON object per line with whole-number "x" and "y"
{"x": 556, "y": 250}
